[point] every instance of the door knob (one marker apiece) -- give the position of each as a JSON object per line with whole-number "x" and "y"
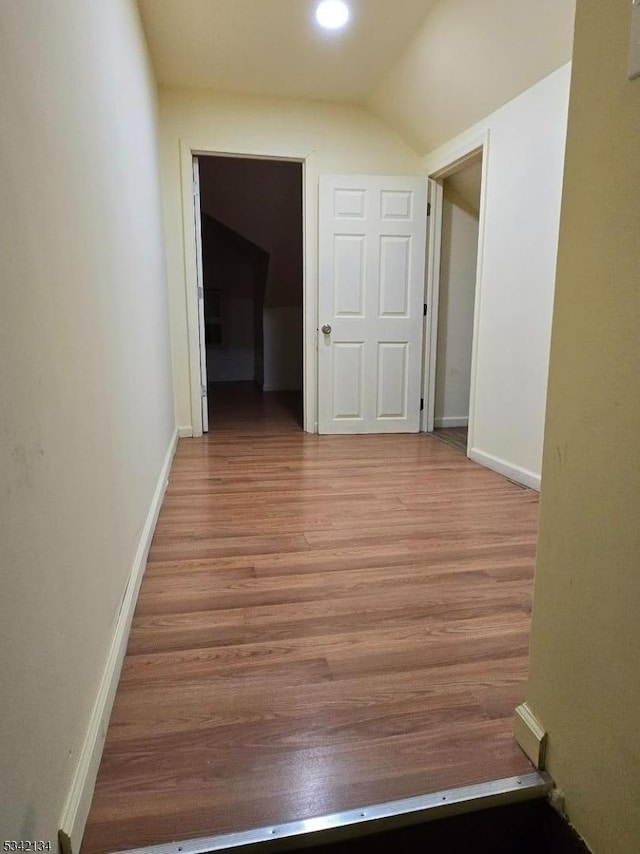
{"x": 326, "y": 329}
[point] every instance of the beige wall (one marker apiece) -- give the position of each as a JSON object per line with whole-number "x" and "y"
{"x": 86, "y": 415}
{"x": 519, "y": 244}
{"x": 585, "y": 650}
{"x": 467, "y": 60}
{"x": 342, "y": 140}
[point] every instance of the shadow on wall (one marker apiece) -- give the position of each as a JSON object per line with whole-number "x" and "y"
{"x": 234, "y": 273}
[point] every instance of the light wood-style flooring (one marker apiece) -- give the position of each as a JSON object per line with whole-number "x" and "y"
{"x": 324, "y": 623}
{"x": 455, "y": 436}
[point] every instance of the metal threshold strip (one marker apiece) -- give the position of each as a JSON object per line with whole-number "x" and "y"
{"x": 359, "y": 822}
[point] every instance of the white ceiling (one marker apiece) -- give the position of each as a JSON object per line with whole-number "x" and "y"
{"x": 274, "y": 47}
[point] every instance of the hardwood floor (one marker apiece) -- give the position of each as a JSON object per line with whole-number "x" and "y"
{"x": 242, "y": 408}
{"x": 457, "y": 437}
{"x": 324, "y": 623}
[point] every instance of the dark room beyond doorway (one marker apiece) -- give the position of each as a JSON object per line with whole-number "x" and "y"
{"x": 252, "y": 259}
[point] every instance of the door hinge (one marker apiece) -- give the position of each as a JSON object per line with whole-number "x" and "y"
{"x": 425, "y": 309}
{"x": 428, "y": 208}
{"x": 203, "y": 390}
{"x": 201, "y": 293}
{"x": 421, "y": 404}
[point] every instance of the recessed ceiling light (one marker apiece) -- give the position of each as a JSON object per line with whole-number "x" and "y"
{"x": 332, "y": 14}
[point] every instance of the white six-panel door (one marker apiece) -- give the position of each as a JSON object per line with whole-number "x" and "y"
{"x": 371, "y": 296}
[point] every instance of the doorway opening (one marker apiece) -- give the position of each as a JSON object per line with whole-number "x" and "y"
{"x": 457, "y": 287}
{"x": 249, "y": 222}
{"x": 452, "y": 298}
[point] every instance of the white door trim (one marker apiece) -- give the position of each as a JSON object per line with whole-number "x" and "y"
{"x": 195, "y": 201}
{"x": 191, "y": 148}
{"x": 444, "y": 162}
{"x": 432, "y": 295}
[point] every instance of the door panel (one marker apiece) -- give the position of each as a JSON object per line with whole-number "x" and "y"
{"x": 348, "y": 387}
{"x": 371, "y": 295}
{"x": 348, "y": 281}
{"x": 392, "y": 380}
{"x": 395, "y": 276}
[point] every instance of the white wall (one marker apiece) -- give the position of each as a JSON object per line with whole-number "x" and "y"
{"x": 458, "y": 262}
{"x": 86, "y": 417}
{"x": 339, "y": 139}
{"x": 468, "y": 59}
{"x": 523, "y": 186}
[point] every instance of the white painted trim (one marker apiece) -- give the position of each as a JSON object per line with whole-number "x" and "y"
{"x": 520, "y": 475}
{"x": 191, "y": 286}
{"x": 530, "y": 735}
{"x": 310, "y": 295}
{"x": 78, "y": 801}
{"x": 185, "y": 432}
{"x": 189, "y": 148}
{"x": 432, "y": 299}
{"x": 451, "y": 421}
{"x": 202, "y": 341}
{"x": 477, "y": 306}
{"x": 439, "y": 165}
{"x": 447, "y": 159}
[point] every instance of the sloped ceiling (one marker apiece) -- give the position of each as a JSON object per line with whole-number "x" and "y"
{"x": 469, "y": 58}
{"x": 274, "y": 47}
{"x": 427, "y": 68}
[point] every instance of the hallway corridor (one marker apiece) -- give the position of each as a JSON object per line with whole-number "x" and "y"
{"x": 324, "y": 623}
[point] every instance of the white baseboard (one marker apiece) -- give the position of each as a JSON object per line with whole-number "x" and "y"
{"x": 451, "y": 421}
{"x": 520, "y": 475}
{"x": 185, "y": 432}
{"x": 76, "y": 808}
{"x": 530, "y": 735}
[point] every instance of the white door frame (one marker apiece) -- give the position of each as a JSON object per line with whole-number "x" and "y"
{"x": 193, "y": 148}
{"x": 204, "y": 392}
{"x": 431, "y": 299}
{"x": 445, "y": 162}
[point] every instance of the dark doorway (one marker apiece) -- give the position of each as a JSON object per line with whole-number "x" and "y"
{"x": 252, "y": 258}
